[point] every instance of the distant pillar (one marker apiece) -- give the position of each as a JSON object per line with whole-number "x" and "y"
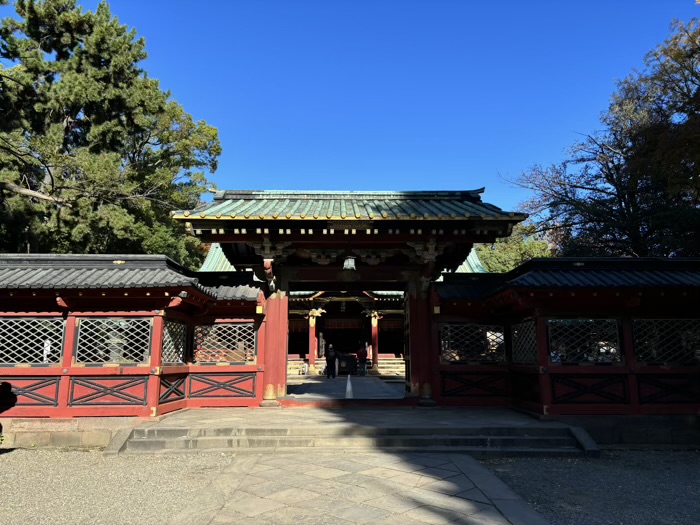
{"x": 313, "y": 339}
{"x": 375, "y": 342}
{"x": 313, "y": 344}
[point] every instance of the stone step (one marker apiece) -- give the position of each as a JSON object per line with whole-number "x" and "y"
{"x": 477, "y": 452}
{"x": 347, "y": 430}
{"x": 402, "y": 442}
{"x": 487, "y": 441}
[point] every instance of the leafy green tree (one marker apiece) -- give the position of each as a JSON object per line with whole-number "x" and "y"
{"x": 94, "y": 155}
{"x": 510, "y": 252}
{"x": 633, "y": 189}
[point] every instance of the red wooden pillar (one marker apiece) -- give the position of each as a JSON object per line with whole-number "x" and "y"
{"x": 375, "y": 344}
{"x": 283, "y": 344}
{"x": 313, "y": 344}
{"x": 276, "y": 328}
{"x": 630, "y": 361}
{"x": 545, "y": 380}
{"x": 156, "y": 361}
{"x": 69, "y": 343}
{"x": 420, "y": 345}
{"x": 261, "y": 308}
{"x": 436, "y": 358}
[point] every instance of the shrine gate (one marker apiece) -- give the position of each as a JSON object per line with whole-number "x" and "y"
{"x": 288, "y": 271}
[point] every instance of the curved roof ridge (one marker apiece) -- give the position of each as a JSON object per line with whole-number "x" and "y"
{"x": 320, "y": 194}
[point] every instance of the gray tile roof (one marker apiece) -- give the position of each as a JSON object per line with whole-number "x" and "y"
{"x": 91, "y": 271}
{"x": 606, "y": 278}
{"x": 236, "y": 293}
{"x": 348, "y": 205}
{"x": 572, "y": 273}
{"x": 76, "y": 272}
{"x": 606, "y": 272}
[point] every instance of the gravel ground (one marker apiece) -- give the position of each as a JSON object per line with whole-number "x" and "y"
{"x": 621, "y": 488}
{"x": 84, "y": 488}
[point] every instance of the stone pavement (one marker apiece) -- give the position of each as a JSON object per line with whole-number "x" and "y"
{"x": 361, "y": 488}
{"x": 317, "y": 388}
{"x": 309, "y": 486}
{"x": 343, "y": 487}
{"x": 348, "y": 418}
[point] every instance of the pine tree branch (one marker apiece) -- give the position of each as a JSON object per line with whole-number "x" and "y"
{"x": 8, "y": 186}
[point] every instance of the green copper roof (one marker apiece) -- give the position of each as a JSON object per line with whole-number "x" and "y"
{"x": 471, "y": 264}
{"x": 347, "y": 205}
{"x": 216, "y": 261}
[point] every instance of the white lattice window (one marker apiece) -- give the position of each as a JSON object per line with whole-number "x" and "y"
{"x": 578, "y": 341}
{"x": 469, "y": 343}
{"x": 174, "y": 341}
{"x": 667, "y": 341}
{"x": 524, "y": 343}
{"x": 225, "y": 343}
{"x": 31, "y": 340}
{"x": 114, "y": 340}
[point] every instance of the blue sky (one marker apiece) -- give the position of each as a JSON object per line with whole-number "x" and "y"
{"x": 395, "y": 95}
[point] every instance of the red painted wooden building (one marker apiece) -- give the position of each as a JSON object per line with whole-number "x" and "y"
{"x": 139, "y": 335}
{"x": 125, "y": 335}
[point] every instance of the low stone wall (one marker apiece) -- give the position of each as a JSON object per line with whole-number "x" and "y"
{"x": 640, "y": 430}
{"x": 76, "y": 433}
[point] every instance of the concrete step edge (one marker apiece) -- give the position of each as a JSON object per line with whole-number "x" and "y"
{"x": 313, "y": 442}
{"x": 429, "y": 438}
{"x": 473, "y": 451}
{"x": 349, "y": 431}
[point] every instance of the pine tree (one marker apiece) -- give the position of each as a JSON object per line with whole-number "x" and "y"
{"x": 93, "y": 153}
{"x": 510, "y": 252}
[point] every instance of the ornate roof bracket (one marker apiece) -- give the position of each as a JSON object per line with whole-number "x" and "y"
{"x": 269, "y": 250}
{"x": 324, "y": 257}
{"x": 374, "y": 315}
{"x": 372, "y": 258}
{"x": 313, "y": 314}
{"x": 427, "y": 252}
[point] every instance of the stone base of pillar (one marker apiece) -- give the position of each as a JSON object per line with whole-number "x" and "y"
{"x": 313, "y": 371}
{"x": 426, "y": 396}
{"x": 270, "y": 397}
{"x": 269, "y": 393}
{"x": 374, "y": 370}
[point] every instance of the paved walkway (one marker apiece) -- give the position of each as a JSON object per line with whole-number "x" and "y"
{"x": 368, "y": 488}
{"x": 353, "y": 487}
{"x": 308, "y": 487}
{"x": 318, "y": 388}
